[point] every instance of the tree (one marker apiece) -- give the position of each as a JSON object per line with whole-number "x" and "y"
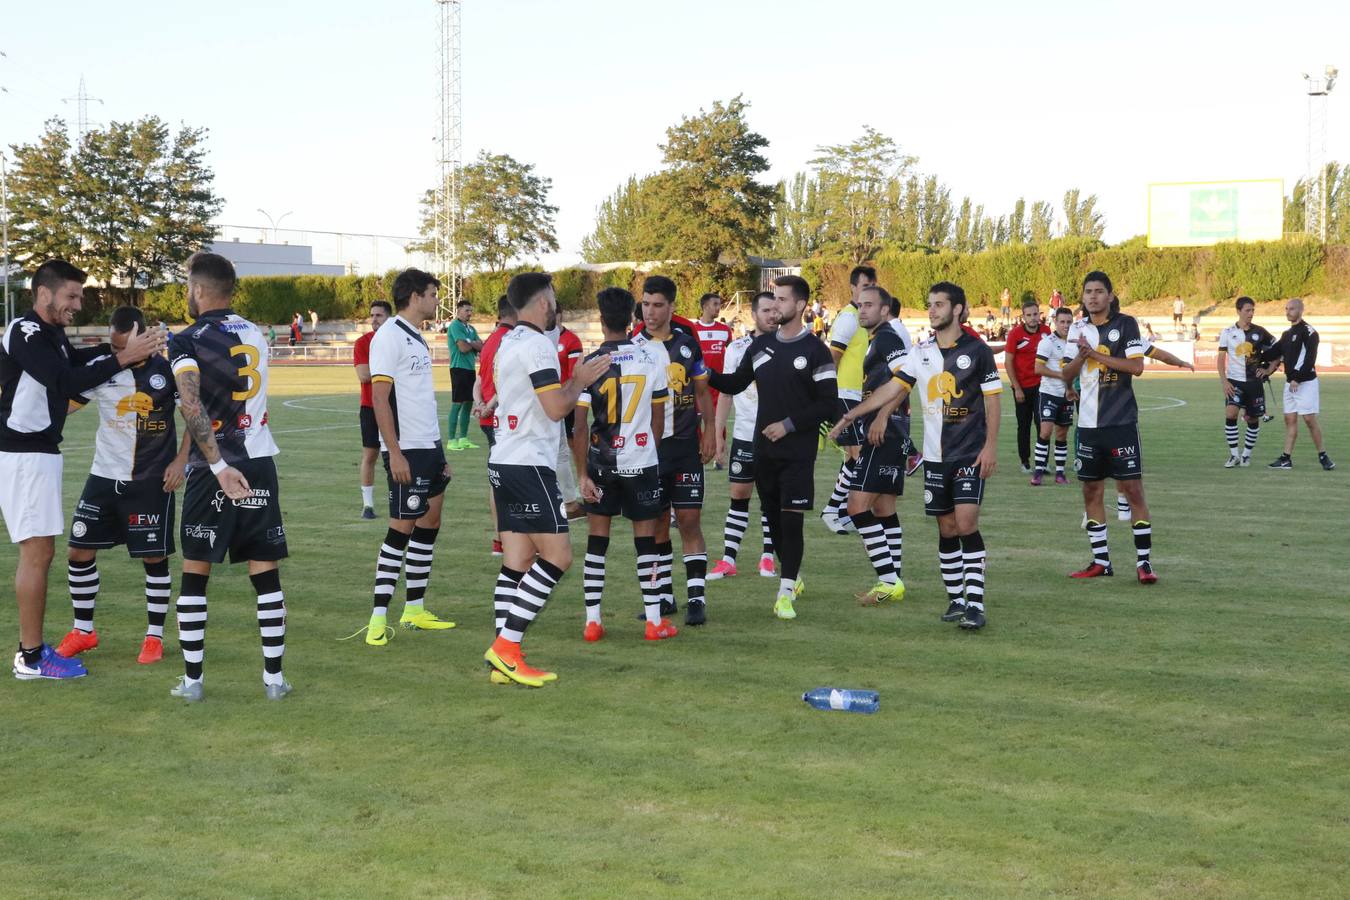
{"x": 1337, "y": 205}
{"x": 935, "y": 212}
{"x": 1017, "y": 222}
{"x": 1042, "y": 222}
{"x": 622, "y": 226}
{"x": 1081, "y": 218}
{"x": 853, "y": 189}
{"x": 796, "y": 218}
{"x": 504, "y": 213}
{"x": 41, "y": 206}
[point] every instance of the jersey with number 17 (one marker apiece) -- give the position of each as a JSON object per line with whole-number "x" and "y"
{"x": 621, "y": 402}
{"x": 230, "y": 355}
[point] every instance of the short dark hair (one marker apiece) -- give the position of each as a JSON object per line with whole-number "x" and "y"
{"x": 755, "y": 301}
{"x": 463, "y": 303}
{"x": 125, "y": 318}
{"x": 213, "y": 271}
{"x": 384, "y": 305}
{"x": 954, "y": 294}
{"x": 797, "y": 284}
{"x": 859, "y": 271}
{"x": 885, "y": 297}
{"x": 660, "y": 284}
{"x": 1064, "y": 311}
{"x": 711, "y": 295}
{"x": 504, "y": 308}
{"x": 1029, "y": 303}
{"x": 616, "y": 308}
{"x": 1101, "y": 277}
{"x": 54, "y": 273}
{"x": 409, "y": 282}
{"x": 1244, "y": 301}
{"x": 525, "y": 287}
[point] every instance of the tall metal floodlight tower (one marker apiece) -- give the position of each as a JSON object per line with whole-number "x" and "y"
{"x": 1315, "y": 196}
{"x": 449, "y": 150}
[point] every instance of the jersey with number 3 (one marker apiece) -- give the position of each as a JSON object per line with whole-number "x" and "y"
{"x": 230, "y": 355}
{"x": 1106, "y": 396}
{"x": 621, "y": 406}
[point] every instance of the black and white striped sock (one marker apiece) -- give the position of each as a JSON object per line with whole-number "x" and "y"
{"x": 593, "y": 574}
{"x": 648, "y": 581}
{"x": 1061, "y": 456}
{"x": 873, "y": 535}
{"x": 768, "y": 535}
{"x": 531, "y": 595}
{"x": 1097, "y": 537}
{"x": 665, "y": 571}
{"x": 696, "y": 576}
{"x": 973, "y": 558}
{"x": 953, "y": 569}
{"x": 503, "y": 595}
{"x": 417, "y": 564}
{"x": 158, "y": 587}
{"x": 1249, "y": 441}
{"x": 82, "y": 577}
{"x": 1042, "y": 455}
{"x": 1230, "y": 434}
{"x": 733, "y": 531}
{"x": 895, "y": 541}
{"x": 834, "y": 507}
{"x": 1143, "y": 541}
{"x": 192, "y": 623}
{"x": 1122, "y": 505}
{"x": 387, "y": 567}
{"x": 271, "y": 622}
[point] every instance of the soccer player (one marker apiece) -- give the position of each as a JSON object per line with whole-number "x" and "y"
{"x": 1019, "y": 357}
{"x": 231, "y": 504}
{"x": 848, "y": 345}
{"x": 414, "y": 457}
{"x": 464, "y": 346}
{"x": 794, "y": 374}
{"x": 741, "y": 464}
{"x": 713, "y": 338}
{"x": 1296, "y": 350}
{"x": 569, "y": 354}
{"x": 40, "y": 373}
{"x": 683, "y": 452}
{"x": 879, "y": 474}
{"x": 531, "y": 403}
{"x": 617, "y": 462}
{"x": 380, "y": 311}
{"x": 1055, "y": 397}
{"x": 957, "y": 378}
{"x": 1109, "y": 354}
{"x": 485, "y": 393}
{"x": 1241, "y": 348}
{"x": 128, "y": 498}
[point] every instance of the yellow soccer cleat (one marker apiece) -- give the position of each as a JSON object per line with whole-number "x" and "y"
{"x": 418, "y": 618}
{"x": 883, "y": 592}
{"x": 378, "y": 631}
{"x": 783, "y": 607}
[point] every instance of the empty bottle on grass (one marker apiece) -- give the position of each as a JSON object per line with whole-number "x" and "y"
{"x": 848, "y": 701}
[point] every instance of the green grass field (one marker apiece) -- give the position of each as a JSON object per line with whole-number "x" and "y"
{"x": 1096, "y": 739}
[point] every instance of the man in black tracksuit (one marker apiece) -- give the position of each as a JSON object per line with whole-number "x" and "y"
{"x": 795, "y": 375}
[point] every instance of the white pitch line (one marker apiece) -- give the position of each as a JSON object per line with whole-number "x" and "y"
{"x": 1174, "y": 403}
{"x": 298, "y": 403}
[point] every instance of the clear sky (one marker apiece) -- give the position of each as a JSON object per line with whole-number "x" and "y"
{"x": 327, "y": 109}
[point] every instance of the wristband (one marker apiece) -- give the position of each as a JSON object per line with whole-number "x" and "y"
{"x": 219, "y": 466}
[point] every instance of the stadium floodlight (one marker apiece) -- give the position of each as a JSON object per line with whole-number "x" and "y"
{"x": 1315, "y": 183}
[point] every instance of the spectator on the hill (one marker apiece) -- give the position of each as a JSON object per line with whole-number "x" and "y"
{"x": 313, "y": 324}
{"x": 1178, "y": 312}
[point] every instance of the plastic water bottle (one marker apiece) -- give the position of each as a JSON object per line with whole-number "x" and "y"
{"x": 848, "y": 701}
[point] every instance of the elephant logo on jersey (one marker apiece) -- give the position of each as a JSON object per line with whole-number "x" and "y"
{"x": 1093, "y": 365}
{"x": 944, "y": 386}
{"x": 677, "y": 377}
{"x": 1243, "y": 350}
{"x": 138, "y": 403}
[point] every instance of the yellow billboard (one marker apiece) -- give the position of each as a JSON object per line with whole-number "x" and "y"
{"x": 1201, "y": 213}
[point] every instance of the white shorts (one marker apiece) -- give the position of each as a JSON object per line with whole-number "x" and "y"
{"x": 30, "y": 494}
{"x": 1304, "y": 401}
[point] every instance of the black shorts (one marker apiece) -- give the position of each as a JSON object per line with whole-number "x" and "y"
{"x": 490, "y": 433}
{"x": 741, "y": 462}
{"x": 461, "y": 385}
{"x": 785, "y": 483}
{"x": 1250, "y": 398}
{"x": 370, "y": 432}
{"x": 634, "y": 495}
{"x": 250, "y": 529}
{"x": 1111, "y": 452}
{"x": 851, "y": 435}
{"x": 528, "y": 499}
{"x": 136, "y": 513}
{"x": 681, "y": 474}
{"x": 881, "y": 468}
{"x": 946, "y": 484}
{"x": 1056, "y": 410}
{"x": 427, "y": 467}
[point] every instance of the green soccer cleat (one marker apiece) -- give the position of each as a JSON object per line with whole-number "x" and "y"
{"x": 783, "y": 607}
{"x": 378, "y": 631}
{"x": 466, "y": 444}
{"x": 798, "y": 588}
{"x": 883, "y": 592}
{"x": 419, "y": 619}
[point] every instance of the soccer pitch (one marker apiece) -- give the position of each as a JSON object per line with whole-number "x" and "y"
{"x": 1096, "y": 738}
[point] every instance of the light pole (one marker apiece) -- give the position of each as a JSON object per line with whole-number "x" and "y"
{"x": 1315, "y": 192}
{"x": 4, "y": 233}
{"x": 275, "y": 222}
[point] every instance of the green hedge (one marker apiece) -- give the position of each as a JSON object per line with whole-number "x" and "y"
{"x": 576, "y": 288}
{"x": 1263, "y": 270}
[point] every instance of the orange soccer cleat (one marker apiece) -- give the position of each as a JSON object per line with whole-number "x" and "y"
{"x": 152, "y": 651}
{"x": 659, "y": 631}
{"x": 594, "y": 631}
{"x": 77, "y": 642}
{"x": 506, "y": 657}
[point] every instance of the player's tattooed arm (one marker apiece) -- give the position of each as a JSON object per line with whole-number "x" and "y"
{"x": 194, "y": 414}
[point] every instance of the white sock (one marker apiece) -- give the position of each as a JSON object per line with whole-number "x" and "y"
{"x": 368, "y": 494}
{"x": 593, "y": 614}
{"x": 786, "y": 585}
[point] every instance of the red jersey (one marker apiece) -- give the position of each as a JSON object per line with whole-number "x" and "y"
{"x": 677, "y": 323}
{"x": 569, "y": 352}
{"x": 361, "y": 357}
{"x": 487, "y": 388}
{"x": 713, "y": 340}
{"x": 1021, "y": 348}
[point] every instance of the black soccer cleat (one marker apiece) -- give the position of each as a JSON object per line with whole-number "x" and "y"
{"x": 955, "y": 611}
{"x": 1284, "y": 462}
{"x": 973, "y": 620}
{"x": 368, "y": 513}
{"x": 695, "y": 612}
{"x": 1326, "y": 462}
{"x": 668, "y": 609}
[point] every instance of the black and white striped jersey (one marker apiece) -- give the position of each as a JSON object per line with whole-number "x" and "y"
{"x": 951, "y": 384}
{"x": 684, "y": 369}
{"x": 40, "y": 373}
{"x": 1244, "y": 349}
{"x": 136, "y": 438}
{"x": 230, "y": 354}
{"x": 1105, "y": 396}
{"x": 621, "y": 403}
